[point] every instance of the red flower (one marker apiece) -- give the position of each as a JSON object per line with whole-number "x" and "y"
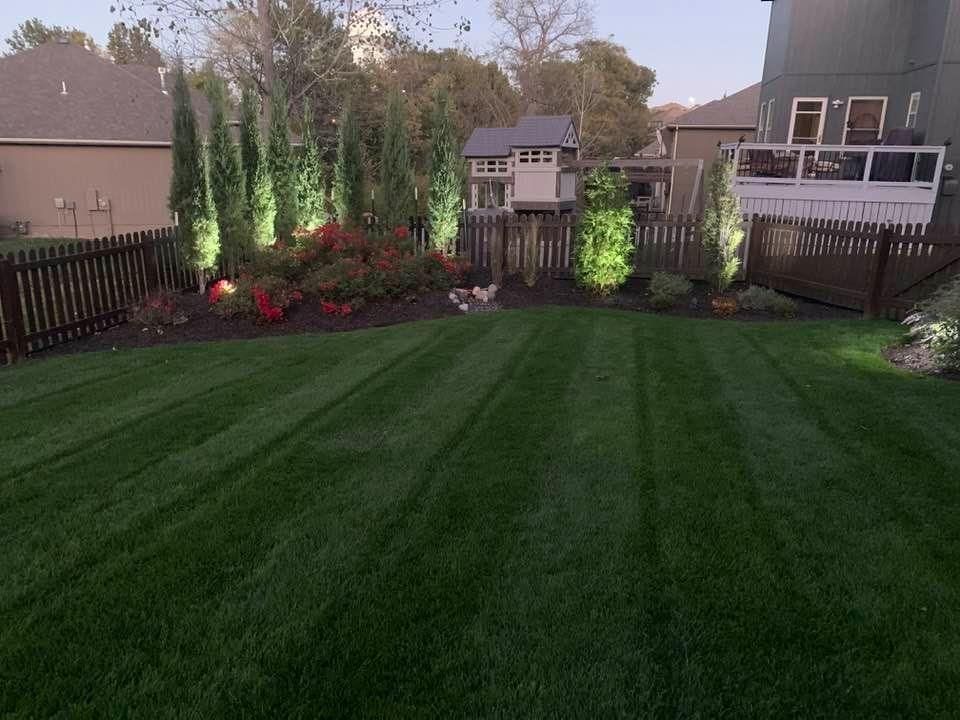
{"x": 401, "y": 232}
{"x": 345, "y": 309}
{"x": 384, "y": 265}
{"x": 328, "y": 286}
{"x": 218, "y": 290}
{"x": 296, "y": 296}
{"x": 329, "y": 308}
{"x": 268, "y": 311}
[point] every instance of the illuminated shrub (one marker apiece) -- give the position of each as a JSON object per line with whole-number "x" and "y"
{"x": 766, "y": 300}
{"x": 264, "y": 299}
{"x": 604, "y": 243}
{"x": 937, "y": 325}
{"x": 667, "y": 290}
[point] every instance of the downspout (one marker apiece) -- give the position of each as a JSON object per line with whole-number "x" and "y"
{"x": 938, "y": 80}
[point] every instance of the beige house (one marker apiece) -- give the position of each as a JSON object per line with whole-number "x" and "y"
{"x": 526, "y": 168}
{"x": 84, "y": 144}
{"x": 695, "y": 135}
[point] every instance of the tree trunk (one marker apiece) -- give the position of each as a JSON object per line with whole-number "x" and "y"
{"x": 266, "y": 53}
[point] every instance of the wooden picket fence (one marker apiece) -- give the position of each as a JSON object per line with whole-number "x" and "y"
{"x": 58, "y": 294}
{"x": 883, "y": 270}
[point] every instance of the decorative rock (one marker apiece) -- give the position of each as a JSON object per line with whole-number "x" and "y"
{"x": 492, "y": 293}
{"x": 453, "y": 297}
{"x": 464, "y": 307}
{"x": 493, "y": 288}
{"x": 481, "y": 295}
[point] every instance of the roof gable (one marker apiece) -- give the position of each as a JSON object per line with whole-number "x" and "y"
{"x": 63, "y": 92}
{"x": 737, "y": 110}
{"x": 532, "y": 131}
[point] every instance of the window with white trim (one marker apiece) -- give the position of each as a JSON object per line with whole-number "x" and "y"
{"x": 490, "y": 167}
{"x": 762, "y": 123}
{"x": 913, "y": 109}
{"x": 806, "y": 121}
{"x": 769, "y": 128}
{"x": 865, "y": 117}
{"x": 532, "y": 157}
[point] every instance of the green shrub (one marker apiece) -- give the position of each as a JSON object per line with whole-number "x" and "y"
{"x": 604, "y": 244}
{"x": 766, "y": 300}
{"x": 667, "y": 290}
{"x": 156, "y": 309}
{"x": 937, "y": 325}
{"x": 722, "y": 228}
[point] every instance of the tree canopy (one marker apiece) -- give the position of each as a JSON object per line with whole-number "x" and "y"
{"x": 33, "y": 32}
{"x": 132, "y": 45}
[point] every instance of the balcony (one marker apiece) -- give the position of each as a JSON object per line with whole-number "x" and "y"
{"x": 871, "y": 183}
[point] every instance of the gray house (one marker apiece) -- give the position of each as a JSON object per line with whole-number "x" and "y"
{"x": 879, "y": 75}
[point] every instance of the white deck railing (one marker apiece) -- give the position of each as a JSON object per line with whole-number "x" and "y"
{"x": 882, "y": 183}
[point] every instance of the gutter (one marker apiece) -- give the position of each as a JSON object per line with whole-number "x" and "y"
{"x": 64, "y": 141}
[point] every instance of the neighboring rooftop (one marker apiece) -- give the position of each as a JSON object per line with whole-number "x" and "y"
{"x": 63, "y": 92}
{"x": 738, "y": 111}
{"x": 532, "y": 131}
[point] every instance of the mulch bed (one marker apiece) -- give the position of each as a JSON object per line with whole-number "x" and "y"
{"x": 917, "y": 358}
{"x": 307, "y": 317}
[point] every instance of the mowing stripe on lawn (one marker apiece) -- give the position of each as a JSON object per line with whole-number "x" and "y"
{"x": 829, "y": 491}
{"x": 129, "y": 490}
{"x": 253, "y": 491}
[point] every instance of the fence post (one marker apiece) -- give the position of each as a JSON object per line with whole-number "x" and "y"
{"x": 754, "y": 240}
{"x": 12, "y": 311}
{"x": 878, "y": 268}
{"x": 150, "y": 263}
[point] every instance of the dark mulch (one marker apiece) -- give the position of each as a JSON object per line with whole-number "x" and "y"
{"x": 307, "y": 317}
{"x": 917, "y": 358}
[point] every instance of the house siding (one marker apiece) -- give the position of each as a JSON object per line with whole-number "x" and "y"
{"x": 839, "y": 49}
{"x": 696, "y": 144}
{"x": 136, "y": 180}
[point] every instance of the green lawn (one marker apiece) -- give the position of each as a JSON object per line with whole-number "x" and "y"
{"x": 549, "y": 513}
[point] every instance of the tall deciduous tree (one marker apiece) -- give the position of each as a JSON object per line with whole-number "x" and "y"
{"x": 348, "y": 170}
{"x": 311, "y": 201}
{"x": 722, "y": 226}
{"x": 227, "y": 181}
{"x": 396, "y": 169}
{"x": 132, "y": 44}
{"x": 533, "y": 32}
{"x": 446, "y": 177}
{"x": 33, "y": 32}
{"x": 282, "y": 166}
{"x": 190, "y": 195}
{"x": 605, "y": 91}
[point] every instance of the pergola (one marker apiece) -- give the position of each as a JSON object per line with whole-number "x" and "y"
{"x": 648, "y": 170}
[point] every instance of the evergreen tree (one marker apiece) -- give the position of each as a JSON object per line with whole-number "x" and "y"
{"x": 604, "y": 244}
{"x": 280, "y": 159}
{"x": 261, "y": 204}
{"x": 227, "y": 182}
{"x": 722, "y": 227}
{"x": 311, "y": 210}
{"x": 446, "y": 177}
{"x": 396, "y": 169}
{"x": 190, "y": 196}
{"x": 186, "y": 149}
{"x": 348, "y": 171}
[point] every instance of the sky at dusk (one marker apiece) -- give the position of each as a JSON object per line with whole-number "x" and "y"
{"x": 700, "y": 49}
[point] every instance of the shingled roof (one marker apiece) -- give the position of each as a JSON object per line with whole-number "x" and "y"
{"x": 103, "y": 102}
{"x": 533, "y": 131}
{"x": 736, "y": 111}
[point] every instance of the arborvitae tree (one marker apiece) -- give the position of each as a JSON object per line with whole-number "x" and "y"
{"x": 227, "y": 183}
{"x": 263, "y": 203}
{"x": 190, "y": 196}
{"x": 311, "y": 207}
{"x": 348, "y": 171}
{"x": 446, "y": 177}
{"x": 186, "y": 149}
{"x": 722, "y": 227}
{"x": 203, "y": 220}
{"x": 604, "y": 245}
{"x": 250, "y": 142}
{"x": 281, "y": 163}
{"x": 396, "y": 169}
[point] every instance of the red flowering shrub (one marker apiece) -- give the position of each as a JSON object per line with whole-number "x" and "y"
{"x": 724, "y": 307}
{"x": 401, "y": 232}
{"x": 264, "y": 299}
{"x": 219, "y": 289}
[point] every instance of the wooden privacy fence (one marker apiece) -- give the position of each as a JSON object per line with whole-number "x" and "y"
{"x": 53, "y": 295}
{"x": 883, "y": 270}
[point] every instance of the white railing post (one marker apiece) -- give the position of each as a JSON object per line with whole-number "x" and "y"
{"x": 868, "y": 167}
{"x": 941, "y": 157}
{"x": 799, "y": 175}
